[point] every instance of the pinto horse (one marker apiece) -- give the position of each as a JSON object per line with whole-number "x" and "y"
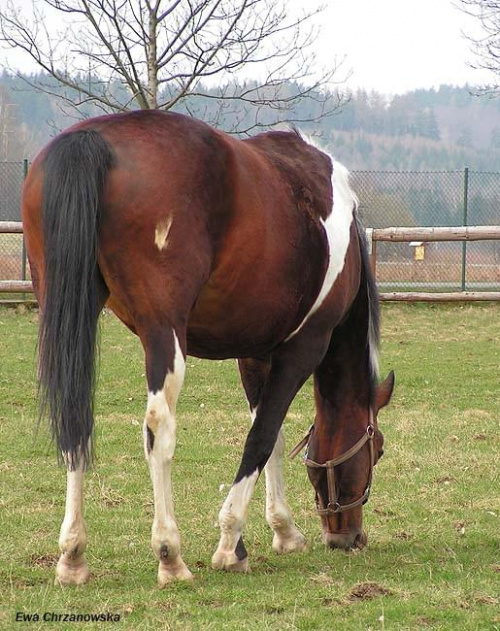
{"x": 208, "y": 245}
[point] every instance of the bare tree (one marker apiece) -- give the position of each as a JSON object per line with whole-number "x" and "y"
{"x": 14, "y": 137}
{"x": 486, "y": 46}
{"x": 124, "y": 54}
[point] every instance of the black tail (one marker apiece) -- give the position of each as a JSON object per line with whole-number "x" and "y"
{"x": 75, "y": 170}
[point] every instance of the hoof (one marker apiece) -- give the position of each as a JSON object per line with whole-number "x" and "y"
{"x": 295, "y": 542}
{"x": 174, "y": 571}
{"x": 71, "y": 572}
{"x": 229, "y": 562}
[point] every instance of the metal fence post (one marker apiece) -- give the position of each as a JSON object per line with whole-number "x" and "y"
{"x": 24, "y": 261}
{"x": 372, "y": 250}
{"x": 464, "y": 221}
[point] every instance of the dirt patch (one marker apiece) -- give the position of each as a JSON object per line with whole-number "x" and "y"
{"x": 367, "y": 591}
{"x": 486, "y": 600}
{"x": 404, "y": 536}
{"x": 274, "y": 610}
{"x": 44, "y": 560}
{"x": 480, "y": 437}
{"x": 446, "y": 479}
{"x": 425, "y": 622}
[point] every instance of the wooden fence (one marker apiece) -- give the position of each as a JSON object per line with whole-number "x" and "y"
{"x": 376, "y": 235}
{"x": 407, "y": 235}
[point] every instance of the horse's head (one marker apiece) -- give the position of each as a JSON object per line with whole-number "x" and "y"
{"x": 340, "y": 459}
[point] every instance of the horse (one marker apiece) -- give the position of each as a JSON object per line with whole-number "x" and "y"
{"x": 205, "y": 244}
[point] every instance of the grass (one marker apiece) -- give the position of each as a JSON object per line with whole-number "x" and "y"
{"x": 432, "y": 560}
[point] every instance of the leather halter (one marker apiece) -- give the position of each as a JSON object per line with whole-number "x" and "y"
{"x": 334, "y": 505}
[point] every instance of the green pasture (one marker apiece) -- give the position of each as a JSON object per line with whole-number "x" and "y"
{"x": 433, "y": 519}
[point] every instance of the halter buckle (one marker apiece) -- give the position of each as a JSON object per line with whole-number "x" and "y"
{"x": 334, "y": 507}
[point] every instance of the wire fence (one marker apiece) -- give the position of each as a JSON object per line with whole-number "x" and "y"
{"x": 12, "y": 253}
{"x": 398, "y": 198}
{"x": 432, "y": 199}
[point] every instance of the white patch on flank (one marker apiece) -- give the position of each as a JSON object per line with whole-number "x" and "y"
{"x": 161, "y": 233}
{"x": 337, "y": 228}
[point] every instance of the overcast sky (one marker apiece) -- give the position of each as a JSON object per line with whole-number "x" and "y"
{"x": 397, "y": 45}
{"x": 391, "y": 46}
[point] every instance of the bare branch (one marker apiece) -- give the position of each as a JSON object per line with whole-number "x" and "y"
{"x": 165, "y": 53}
{"x": 485, "y": 47}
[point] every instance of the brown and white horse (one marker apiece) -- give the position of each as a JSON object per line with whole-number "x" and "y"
{"x": 207, "y": 245}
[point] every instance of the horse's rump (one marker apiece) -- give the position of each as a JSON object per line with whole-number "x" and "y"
{"x": 227, "y": 230}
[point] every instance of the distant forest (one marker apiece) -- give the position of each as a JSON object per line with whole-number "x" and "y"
{"x": 423, "y": 130}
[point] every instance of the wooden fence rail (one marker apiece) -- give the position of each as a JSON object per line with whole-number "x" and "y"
{"x": 11, "y": 227}
{"x": 461, "y": 233}
{"x": 455, "y": 233}
{"x": 375, "y": 235}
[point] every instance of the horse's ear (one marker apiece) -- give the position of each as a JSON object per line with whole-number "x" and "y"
{"x": 384, "y": 392}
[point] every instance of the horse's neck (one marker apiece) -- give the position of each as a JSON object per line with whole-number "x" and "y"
{"x": 343, "y": 382}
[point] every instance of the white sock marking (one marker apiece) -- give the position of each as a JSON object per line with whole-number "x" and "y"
{"x": 72, "y": 535}
{"x": 278, "y": 513}
{"x": 233, "y": 513}
{"x": 160, "y": 417}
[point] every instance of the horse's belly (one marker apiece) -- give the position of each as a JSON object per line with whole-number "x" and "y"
{"x": 242, "y": 325}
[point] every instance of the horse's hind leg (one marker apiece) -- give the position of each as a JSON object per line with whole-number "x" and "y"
{"x": 72, "y": 567}
{"x": 287, "y": 538}
{"x": 165, "y": 366}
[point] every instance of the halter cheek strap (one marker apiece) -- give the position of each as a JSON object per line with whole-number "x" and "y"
{"x": 334, "y": 505}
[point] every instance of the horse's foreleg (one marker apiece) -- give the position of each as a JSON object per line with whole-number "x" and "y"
{"x": 287, "y": 372}
{"x": 72, "y": 567}
{"x": 159, "y": 445}
{"x": 287, "y": 538}
{"x": 231, "y": 554}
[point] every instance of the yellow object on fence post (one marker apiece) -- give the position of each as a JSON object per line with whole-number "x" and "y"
{"x": 420, "y": 252}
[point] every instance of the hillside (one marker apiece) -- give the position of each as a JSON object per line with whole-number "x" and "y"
{"x": 443, "y": 129}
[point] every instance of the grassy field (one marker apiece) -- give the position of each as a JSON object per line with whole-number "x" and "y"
{"x": 433, "y": 555}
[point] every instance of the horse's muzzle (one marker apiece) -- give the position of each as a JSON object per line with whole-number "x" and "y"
{"x": 355, "y": 540}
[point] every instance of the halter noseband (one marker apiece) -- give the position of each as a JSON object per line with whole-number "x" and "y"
{"x": 334, "y": 505}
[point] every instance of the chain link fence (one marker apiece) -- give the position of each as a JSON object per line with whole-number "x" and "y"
{"x": 387, "y": 199}
{"x": 431, "y": 199}
{"x": 12, "y": 255}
